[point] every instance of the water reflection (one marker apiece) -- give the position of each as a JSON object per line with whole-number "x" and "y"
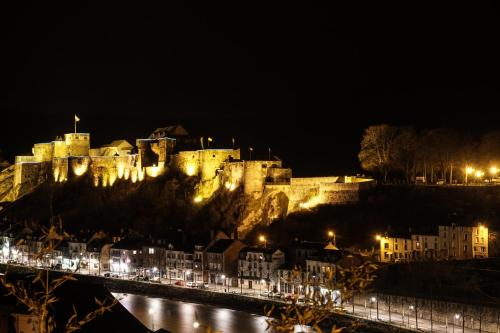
{"x": 179, "y": 317}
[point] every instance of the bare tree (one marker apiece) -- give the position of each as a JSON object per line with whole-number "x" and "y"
{"x": 405, "y": 147}
{"x": 378, "y": 149}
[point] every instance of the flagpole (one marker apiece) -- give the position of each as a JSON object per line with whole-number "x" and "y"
{"x": 74, "y": 120}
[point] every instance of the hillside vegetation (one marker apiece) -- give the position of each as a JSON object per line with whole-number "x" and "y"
{"x": 156, "y": 206}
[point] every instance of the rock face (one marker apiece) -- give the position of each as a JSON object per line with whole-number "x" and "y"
{"x": 7, "y": 183}
{"x": 262, "y": 211}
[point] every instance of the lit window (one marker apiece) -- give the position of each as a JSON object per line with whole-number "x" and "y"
{"x": 134, "y": 252}
{"x": 151, "y": 250}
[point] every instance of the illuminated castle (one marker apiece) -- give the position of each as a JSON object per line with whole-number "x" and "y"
{"x": 72, "y": 157}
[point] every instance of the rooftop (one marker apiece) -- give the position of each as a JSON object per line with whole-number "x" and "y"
{"x": 220, "y": 246}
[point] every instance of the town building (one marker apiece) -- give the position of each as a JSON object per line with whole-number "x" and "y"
{"x": 98, "y": 254}
{"x": 452, "y": 243}
{"x": 126, "y": 256}
{"x": 154, "y": 258}
{"x": 258, "y": 266}
{"x": 424, "y": 247}
{"x": 395, "y": 249}
{"x": 459, "y": 242}
{"x": 222, "y": 261}
{"x": 321, "y": 269}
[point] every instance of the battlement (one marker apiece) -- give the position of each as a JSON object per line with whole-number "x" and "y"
{"x": 217, "y": 169}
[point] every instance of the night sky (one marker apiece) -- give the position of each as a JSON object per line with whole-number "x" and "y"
{"x": 304, "y": 79}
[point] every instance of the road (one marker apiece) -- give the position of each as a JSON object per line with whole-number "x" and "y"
{"x": 360, "y": 311}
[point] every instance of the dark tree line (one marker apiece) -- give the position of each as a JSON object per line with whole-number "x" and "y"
{"x": 395, "y": 153}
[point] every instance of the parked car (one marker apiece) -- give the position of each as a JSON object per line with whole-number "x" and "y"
{"x": 202, "y": 285}
{"x": 107, "y": 275}
{"x": 179, "y": 283}
{"x": 278, "y": 295}
{"x": 192, "y": 284}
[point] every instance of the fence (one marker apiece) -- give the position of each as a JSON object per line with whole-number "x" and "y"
{"x": 426, "y": 315}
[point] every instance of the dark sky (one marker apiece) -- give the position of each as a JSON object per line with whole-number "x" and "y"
{"x": 303, "y": 79}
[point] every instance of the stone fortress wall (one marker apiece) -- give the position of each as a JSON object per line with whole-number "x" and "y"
{"x": 217, "y": 169}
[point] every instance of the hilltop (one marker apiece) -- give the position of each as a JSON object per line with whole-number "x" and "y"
{"x": 159, "y": 205}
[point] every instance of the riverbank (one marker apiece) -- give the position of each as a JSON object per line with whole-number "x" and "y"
{"x": 231, "y": 301}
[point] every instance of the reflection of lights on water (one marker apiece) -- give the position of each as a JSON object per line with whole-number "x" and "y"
{"x": 223, "y": 314}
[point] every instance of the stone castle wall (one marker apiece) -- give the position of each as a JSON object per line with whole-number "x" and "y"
{"x": 216, "y": 168}
{"x": 211, "y": 160}
{"x": 43, "y": 152}
{"x": 188, "y": 162}
{"x": 255, "y": 173}
{"x": 60, "y": 149}
{"x": 60, "y": 169}
{"x": 78, "y": 144}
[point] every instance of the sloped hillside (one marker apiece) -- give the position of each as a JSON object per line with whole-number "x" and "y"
{"x": 150, "y": 207}
{"x": 396, "y": 210}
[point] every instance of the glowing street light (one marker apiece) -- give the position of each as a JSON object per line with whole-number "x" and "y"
{"x": 479, "y": 174}
{"x": 196, "y": 324}
{"x": 263, "y": 239}
{"x": 493, "y": 170}
{"x": 468, "y": 170}
{"x": 378, "y": 237}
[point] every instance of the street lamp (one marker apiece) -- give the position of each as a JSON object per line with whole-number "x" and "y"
{"x": 223, "y": 277}
{"x": 196, "y": 324}
{"x": 263, "y": 239}
{"x": 455, "y": 317}
{"x": 331, "y": 236}
{"x": 493, "y": 171}
{"x": 372, "y": 300}
{"x": 468, "y": 170}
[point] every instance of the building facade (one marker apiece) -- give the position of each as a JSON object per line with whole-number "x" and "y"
{"x": 452, "y": 243}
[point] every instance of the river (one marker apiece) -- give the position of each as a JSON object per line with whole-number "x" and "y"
{"x": 179, "y": 317}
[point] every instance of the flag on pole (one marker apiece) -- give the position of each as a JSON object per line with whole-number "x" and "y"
{"x": 76, "y": 120}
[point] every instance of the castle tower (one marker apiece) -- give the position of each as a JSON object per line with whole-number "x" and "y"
{"x": 43, "y": 152}
{"x": 78, "y": 144}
